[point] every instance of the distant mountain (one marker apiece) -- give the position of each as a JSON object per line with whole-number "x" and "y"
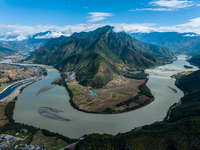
{"x": 32, "y": 43}
{"x": 16, "y": 47}
{"x": 6, "y": 38}
{"x": 41, "y": 35}
{"x": 188, "y": 43}
{"x": 36, "y": 41}
{"x": 99, "y": 56}
{"x": 5, "y": 52}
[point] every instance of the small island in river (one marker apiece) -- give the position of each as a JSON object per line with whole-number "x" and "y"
{"x": 44, "y": 89}
{"x": 53, "y": 116}
{"x": 187, "y": 67}
{"x": 49, "y": 113}
{"x": 174, "y": 90}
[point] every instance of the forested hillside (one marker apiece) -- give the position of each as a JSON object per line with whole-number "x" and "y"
{"x": 100, "y": 55}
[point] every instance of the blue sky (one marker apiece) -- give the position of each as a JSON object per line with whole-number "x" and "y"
{"x": 24, "y": 17}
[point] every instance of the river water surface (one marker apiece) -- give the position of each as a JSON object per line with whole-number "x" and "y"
{"x": 28, "y": 105}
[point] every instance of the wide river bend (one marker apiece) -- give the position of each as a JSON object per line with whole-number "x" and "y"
{"x": 29, "y": 103}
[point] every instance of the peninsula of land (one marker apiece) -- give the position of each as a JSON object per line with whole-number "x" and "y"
{"x": 124, "y": 93}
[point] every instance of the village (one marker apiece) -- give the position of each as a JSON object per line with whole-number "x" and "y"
{"x": 14, "y": 139}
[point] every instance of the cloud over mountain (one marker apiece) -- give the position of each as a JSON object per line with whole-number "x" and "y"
{"x": 18, "y": 33}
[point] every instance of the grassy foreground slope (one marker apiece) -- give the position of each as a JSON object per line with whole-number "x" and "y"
{"x": 180, "y": 132}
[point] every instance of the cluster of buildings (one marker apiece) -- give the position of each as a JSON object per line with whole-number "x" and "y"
{"x": 71, "y": 75}
{"x": 8, "y": 141}
{"x": 13, "y": 142}
{"x": 37, "y": 71}
{"x": 23, "y": 146}
{"x": 22, "y": 77}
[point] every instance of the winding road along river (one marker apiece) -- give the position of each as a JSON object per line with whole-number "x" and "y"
{"x": 28, "y": 105}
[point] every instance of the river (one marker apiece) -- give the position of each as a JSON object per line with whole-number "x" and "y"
{"x": 29, "y": 103}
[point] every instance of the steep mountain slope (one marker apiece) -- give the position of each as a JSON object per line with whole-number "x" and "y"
{"x": 100, "y": 55}
{"x": 188, "y": 43}
{"x": 5, "y": 52}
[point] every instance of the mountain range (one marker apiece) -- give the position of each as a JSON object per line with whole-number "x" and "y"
{"x": 36, "y": 41}
{"x": 100, "y": 55}
{"x": 31, "y": 44}
{"x": 188, "y": 43}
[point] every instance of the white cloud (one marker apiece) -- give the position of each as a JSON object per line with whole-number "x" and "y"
{"x": 51, "y": 35}
{"x": 172, "y": 3}
{"x": 17, "y": 32}
{"x": 98, "y": 16}
{"x": 133, "y": 28}
{"x": 167, "y": 5}
{"x": 193, "y": 23}
{"x": 18, "y": 38}
{"x": 190, "y": 35}
{"x": 198, "y": 5}
{"x": 153, "y": 9}
{"x": 6, "y": 31}
{"x": 85, "y": 7}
